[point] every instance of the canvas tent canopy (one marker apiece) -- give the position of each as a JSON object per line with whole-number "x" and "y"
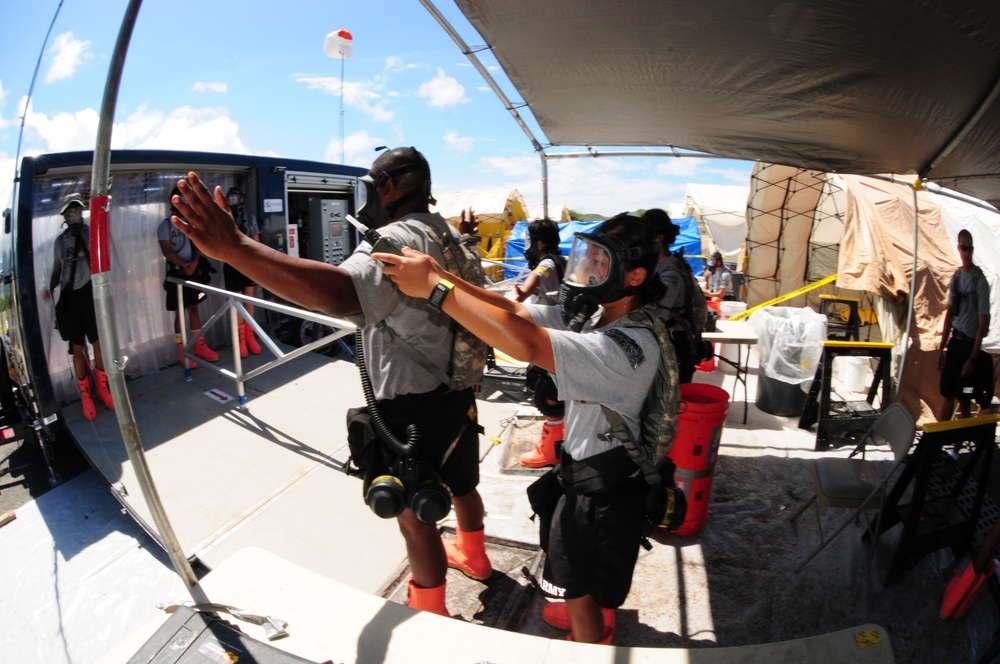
{"x": 847, "y": 86}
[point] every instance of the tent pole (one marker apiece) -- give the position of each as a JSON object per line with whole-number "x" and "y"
{"x": 917, "y": 186}
{"x": 100, "y": 266}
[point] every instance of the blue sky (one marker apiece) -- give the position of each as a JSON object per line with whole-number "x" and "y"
{"x": 251, "y": 77}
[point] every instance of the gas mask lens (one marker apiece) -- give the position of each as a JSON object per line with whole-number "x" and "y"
{"x": 368, "y": 205}
{"x": 589, "y": 263}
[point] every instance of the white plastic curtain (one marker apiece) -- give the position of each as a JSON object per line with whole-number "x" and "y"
{"x": 144, "y": 326}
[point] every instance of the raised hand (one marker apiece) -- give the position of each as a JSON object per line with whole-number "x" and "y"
{"x": 205, "y": 218}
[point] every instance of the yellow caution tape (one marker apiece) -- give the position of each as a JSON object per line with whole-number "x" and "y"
{"x": 786, "y": 296}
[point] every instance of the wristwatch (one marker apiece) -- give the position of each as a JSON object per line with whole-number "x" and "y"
{"x": 441, "y": 290}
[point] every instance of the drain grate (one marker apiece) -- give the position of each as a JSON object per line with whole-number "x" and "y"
{"x": 501, "y": 601}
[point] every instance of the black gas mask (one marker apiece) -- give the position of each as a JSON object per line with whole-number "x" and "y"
{"x": 595, "y": 274}
{"x": 370, "y": 210}
{"x": 73, "y": 215}
{"x": 234, "y": 199}
{"x": 532, "y": 256}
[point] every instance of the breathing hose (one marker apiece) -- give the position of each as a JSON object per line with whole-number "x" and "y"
{"x": 411, "y": 447}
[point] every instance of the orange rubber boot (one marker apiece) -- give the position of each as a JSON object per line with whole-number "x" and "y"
{"x": 242, "y": 329}
{"x": 103, "y": 391}
{"x": 202, "y": 350}
{"x": 427, "y": 599}
{"x": 553, "y": 432}
{"x": 252, "y": 344}
{"x": 467, "y": 554}
{"x": 556, "y": 614}
{"x": 86, "y": 400}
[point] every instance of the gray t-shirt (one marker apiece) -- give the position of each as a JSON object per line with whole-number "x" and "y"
{"x": 719, "y": 279}
{"x": 65, "y": 257}
{"x": 179, "y": 243}
{"x": 388, "y": 313}
{"x": 547, "y": 290}
{"x": 611, "y": 365}
{"x": 966, "y": 304}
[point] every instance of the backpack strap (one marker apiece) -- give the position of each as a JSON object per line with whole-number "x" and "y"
{"x": 659, "y": 409}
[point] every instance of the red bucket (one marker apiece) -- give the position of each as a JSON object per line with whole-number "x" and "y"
{"x": 696, "y": 447}
{"x": 697, "y": 488}
{"x": 699, "y": 426}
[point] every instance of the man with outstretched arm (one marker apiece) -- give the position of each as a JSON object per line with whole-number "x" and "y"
{"x": 405, "y": 391}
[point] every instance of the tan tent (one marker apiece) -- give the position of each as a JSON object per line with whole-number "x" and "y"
{"x": 805, "y": 225}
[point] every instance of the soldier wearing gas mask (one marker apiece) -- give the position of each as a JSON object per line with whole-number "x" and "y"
{"x": 75, "y": 316}
{"x": 398, "y": 198}
{"x": 592, "y": 523}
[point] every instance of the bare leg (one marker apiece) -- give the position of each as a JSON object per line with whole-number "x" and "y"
{"x": 469, "y": 511}
{"x": 965, "y": 408}
{"x": 98, "y": 356}
{"x": 424, "y": 549}
{"x": 193, "y": 317}
{"x": 586, "y": 619}
{"x": 947, "y": 410}
{"x": 249, "y": 307}
{"x": 80, "y": 361}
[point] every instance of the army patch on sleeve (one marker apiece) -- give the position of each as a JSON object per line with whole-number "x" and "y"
{"x": 633, "y": 351}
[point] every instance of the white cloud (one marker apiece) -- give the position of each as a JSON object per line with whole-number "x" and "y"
{"x": 359, "y": 149}
{"x": 603, "y": 186}
{"x": 442, "y": 91}
{"x": 69, "y": 55}
{"x": 394, "y": 64}
{"x": 365, "y": 96}
{"x": 214, "y": 86}
{"x": 184, "y": 128}
{"x": 64, "y": 131}
{"x": 459, "y": 143}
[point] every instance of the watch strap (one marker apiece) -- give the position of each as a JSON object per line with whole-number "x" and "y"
{"x": 440, "y": 292}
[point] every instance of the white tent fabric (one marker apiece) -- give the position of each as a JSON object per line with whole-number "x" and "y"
{"x": 504, "y": 205}
{"x": 723, "y": 210}
{"x": 557, "y": 213}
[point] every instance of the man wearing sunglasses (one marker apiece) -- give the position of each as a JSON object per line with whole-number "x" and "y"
{"x": 966, "y": 370}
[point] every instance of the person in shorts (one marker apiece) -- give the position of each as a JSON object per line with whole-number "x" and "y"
{"x": 183, "y": 262}
{"x": 966, "y": 369}
{"x": 593, "y": 534}
{"x": 75, "y": 315}
{"x": 405, "y": 392}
